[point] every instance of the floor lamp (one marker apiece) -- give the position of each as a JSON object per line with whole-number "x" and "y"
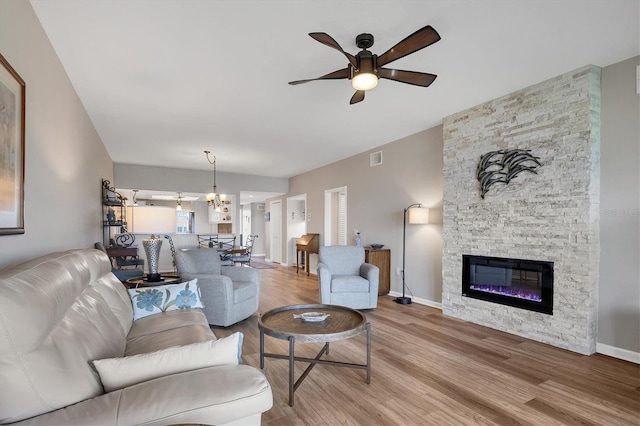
{"x": 417, "y": 215}
{"x": 153, "y": 220}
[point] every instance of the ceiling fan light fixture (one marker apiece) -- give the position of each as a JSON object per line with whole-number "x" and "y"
{"x": 364, "y": 81}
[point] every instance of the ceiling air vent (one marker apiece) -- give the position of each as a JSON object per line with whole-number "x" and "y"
{"x": 375, "y": 159}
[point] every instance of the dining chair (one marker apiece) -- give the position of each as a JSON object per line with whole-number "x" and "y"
{"x": 207, "y": 240}
{"x": 244, "y": 258}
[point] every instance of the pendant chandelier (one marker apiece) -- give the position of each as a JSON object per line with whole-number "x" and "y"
{"x": 213, "y": 198}
{"x": 179, "y": 202}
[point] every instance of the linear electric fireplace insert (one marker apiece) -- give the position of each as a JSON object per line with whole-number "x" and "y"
{"x": 526, "y": 284}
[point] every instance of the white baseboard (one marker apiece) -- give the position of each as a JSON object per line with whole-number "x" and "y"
{"x": 419, "y": 300}
{"x": 623, "y": 354}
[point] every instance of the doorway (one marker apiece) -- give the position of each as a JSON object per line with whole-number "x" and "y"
{"x": 246, "y": 223}
{"x": 335, "y": 216}
{"x": 296, "y": 224}
{"x": 275, "y": 228}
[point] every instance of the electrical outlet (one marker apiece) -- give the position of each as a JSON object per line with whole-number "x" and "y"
{"x": 398, "y": 271}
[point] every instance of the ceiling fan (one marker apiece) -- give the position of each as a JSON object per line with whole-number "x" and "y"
{"x": 365, "y": 68}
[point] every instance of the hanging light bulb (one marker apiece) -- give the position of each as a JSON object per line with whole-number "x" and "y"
{"x": 213, "y": 198}
{"x": 179, "y": 202}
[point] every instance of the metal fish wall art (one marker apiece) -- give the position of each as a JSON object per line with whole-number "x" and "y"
{"x": 503, "y": 166}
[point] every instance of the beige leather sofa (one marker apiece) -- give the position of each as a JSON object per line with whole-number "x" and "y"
{"x": 61, "y": 311}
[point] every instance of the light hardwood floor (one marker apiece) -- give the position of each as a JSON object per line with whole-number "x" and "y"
{"x": 429, "y": 369}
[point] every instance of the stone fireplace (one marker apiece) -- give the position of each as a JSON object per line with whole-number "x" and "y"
{"x": 552, "y": 214}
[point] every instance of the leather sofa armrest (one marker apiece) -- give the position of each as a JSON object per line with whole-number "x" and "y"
{"x": 213, "y": 395}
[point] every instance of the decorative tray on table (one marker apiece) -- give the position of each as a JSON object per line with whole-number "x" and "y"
{"x": 312, "y": 316}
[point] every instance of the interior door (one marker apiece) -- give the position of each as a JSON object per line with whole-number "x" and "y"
{"x": 276, "y": 231}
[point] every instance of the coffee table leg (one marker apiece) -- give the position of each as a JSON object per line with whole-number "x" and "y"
{"x": 368, "y": 353}
{"x": 261, "y": 349}
{"x": 292, "y": 341}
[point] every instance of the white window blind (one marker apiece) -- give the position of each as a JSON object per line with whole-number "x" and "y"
{"x": 342, "y": 219}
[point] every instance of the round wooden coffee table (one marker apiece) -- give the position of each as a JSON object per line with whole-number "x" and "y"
{"x": 342, "y": 323}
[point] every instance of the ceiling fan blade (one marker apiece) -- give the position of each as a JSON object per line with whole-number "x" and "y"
{"x": 408, "y": 77}
{"x": 336, "y": 75}
{"x": 327, "y": 40}
{"x": 357, "y": 97}
{"x": 416, "y": 41}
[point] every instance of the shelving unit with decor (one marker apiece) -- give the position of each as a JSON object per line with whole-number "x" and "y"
{"x": 223, "y": 218}
{"x": 114, "y": 213}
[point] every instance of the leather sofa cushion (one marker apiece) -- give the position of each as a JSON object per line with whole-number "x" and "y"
{"x": 186, "y": 335}
{"x": 166, "y": 321}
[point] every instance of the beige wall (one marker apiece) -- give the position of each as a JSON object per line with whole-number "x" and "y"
{"x": 411, "y": 172}
{"x": 619, "y": 295}
{"x": 65, "y": 159}
{"x": 186, "y": 180}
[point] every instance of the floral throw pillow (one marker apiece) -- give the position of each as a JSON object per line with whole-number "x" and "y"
{"x": 154, "y": 300}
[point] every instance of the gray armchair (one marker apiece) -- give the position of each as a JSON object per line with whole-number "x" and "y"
{"x": 345, "y": 279}
{"x": 229, "y": 293}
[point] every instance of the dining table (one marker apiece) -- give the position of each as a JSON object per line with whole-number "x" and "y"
{"x": 232, "y": 250}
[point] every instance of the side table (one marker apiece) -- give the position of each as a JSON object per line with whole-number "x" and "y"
{"x": 142, "y": 281}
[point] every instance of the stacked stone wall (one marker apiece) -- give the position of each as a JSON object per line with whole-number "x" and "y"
{"x": 549, "y": 216}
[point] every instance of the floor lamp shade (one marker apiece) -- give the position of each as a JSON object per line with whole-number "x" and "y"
{"x": 153, "y": 220}
{"x": 417, "y": 215}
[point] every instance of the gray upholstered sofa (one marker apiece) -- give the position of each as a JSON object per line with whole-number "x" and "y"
{"x": 345, "y": 279}
{"x": 229, "y": 293}
{"x": 60, "y": 312}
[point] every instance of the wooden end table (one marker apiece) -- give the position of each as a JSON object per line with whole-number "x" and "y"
{"x": 342, "y": 323}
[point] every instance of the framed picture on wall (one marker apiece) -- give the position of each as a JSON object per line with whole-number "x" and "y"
{"x": 12, "y": 128}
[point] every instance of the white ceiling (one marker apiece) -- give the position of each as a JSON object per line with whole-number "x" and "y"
{"x": 164, "y": 80}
